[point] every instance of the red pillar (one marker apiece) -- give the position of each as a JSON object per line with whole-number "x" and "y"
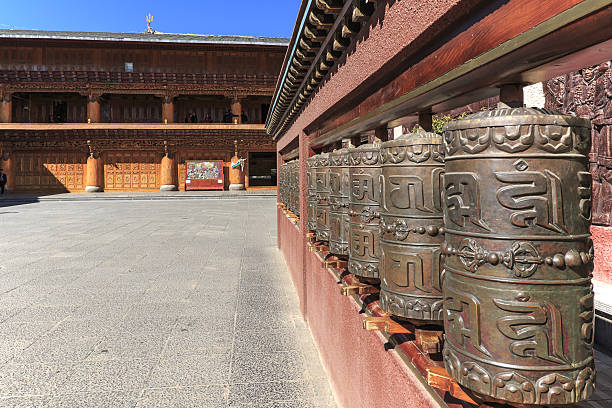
{"x": 168, "y": 174}
{"x": 305, "y": 152}
{"x": 6, "y": 107}
{"x": 94, "y": 174}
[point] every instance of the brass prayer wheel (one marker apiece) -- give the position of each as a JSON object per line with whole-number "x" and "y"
{"x": 311, "y": 202}
{"x": 411, "y": 226}
{"x": 322, "y": 191}
{"x": 364, "y": 177}
{"x": 295, "y": 186}
{"x": 518, "y": 299}
{"x": 281, "y": 183}
{"x": 338, "y": 202}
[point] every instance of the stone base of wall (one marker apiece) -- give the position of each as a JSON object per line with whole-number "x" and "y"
{"x": 364, "y": 370}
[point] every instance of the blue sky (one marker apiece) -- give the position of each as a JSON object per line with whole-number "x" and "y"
{"x": 273, "y": 18}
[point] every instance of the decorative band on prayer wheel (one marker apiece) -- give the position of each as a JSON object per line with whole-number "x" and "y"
{"x": 518, "y": 299}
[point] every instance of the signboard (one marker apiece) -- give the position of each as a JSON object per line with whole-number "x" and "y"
{"x": 204, "y": 175}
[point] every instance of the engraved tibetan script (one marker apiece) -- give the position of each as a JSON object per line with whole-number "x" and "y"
{"x": 335, "y": 182}
{"x": 537, "y": 195}
{"x": 322, "y": 216}
{"x": 585, "y": 192}
{"x": 364, "y": 243}
{"x": 401, "y": 267}
{"x": 363, "y": 187}
{"x": 463, "y": 318}
{"x": 410, "y": 191}
{"x": 537, "y": 331}
{"x": 463, "y": 199}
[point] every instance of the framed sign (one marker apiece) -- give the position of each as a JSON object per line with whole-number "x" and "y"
{"x": 204, "y": 175}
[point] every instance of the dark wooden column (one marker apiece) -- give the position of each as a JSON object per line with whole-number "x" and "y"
{"x": 381, "y": 133}
{"x": 93, "y": 107}
{"x": 426, "y": 120}
{"x": 168, "y": 108}
{"x": 511, "y": 95}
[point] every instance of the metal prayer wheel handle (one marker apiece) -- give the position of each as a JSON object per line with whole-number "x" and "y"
{"x": 365, "y": 214}
{"x": 402, "y": 229}
{"x": 518, "y": 298}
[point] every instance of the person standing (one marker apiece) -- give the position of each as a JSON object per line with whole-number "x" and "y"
{"x": 3, "y": 181}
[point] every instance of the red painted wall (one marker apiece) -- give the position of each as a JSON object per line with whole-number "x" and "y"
{"x": 602, "y": 241}
{"x": 290, "y": 244}
{"x": 361, "y": 372}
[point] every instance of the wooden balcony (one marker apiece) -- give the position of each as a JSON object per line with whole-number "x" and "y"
{"x": 129, "y": 126}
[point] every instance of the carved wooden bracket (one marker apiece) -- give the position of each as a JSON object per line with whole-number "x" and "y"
{"x": 93, "y": 152}
{"x": 5, "y": 94}
{"x": 5, "y": 151}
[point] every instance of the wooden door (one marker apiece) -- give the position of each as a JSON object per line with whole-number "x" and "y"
{"x": 49, "y": 171}
{"x": 131, "y": 170}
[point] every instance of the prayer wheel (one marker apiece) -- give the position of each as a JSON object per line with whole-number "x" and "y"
{"x": 339, "y": 202}
{"x": 282, "y": 184}
{"x": 411, "y": 226}
{"x": 311, "y": 203}
{"x": 322, "y": 191}
{"x": 518, "y": 299}
{"x": 295, "y": 186}
{"x": 364, "y": 177}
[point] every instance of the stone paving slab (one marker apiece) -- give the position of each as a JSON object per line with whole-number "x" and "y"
{"x": 151, "y": 303}
{"x": 136, "y": 195}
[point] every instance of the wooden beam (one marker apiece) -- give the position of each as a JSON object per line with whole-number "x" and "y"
{"x": 477, "y": 60}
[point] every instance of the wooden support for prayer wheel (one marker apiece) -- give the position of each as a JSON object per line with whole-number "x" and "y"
{"x": 364, "y": 176}
{"x": 322, "y": 191}
{"x": 311, "y": 203}
{"x": 339, "y": 202}
{"x": 518, "y": 299}
{"x": 411, "y": 227}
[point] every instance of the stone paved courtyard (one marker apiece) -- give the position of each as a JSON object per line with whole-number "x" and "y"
{"x": 169, "y": 303}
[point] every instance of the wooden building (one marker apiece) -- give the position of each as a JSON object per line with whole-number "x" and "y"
{"x": 135, "y": 106}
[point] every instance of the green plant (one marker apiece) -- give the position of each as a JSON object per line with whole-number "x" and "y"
{"x": 438, "y": 123}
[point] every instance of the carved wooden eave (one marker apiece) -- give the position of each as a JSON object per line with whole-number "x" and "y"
{"x": 136, "y": 88}
{"x": 327, "y": 29}
{"x": 121, "y": 136}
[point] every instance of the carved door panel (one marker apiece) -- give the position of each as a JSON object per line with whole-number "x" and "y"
{"x": 131, "y": 170}
{"x": 49, "y": 171}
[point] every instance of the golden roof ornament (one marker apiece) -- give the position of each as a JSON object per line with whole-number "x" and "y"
{"x": 150, "y": 29}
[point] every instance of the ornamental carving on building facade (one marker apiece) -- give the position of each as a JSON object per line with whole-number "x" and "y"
{"x": 588, "y": 93}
